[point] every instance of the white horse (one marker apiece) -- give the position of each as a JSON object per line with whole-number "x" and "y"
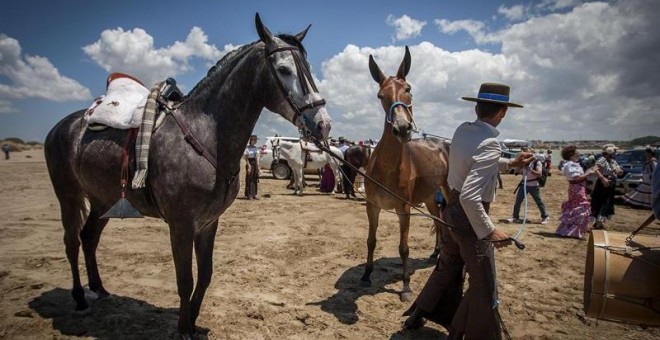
{"x": 295, "y": 157}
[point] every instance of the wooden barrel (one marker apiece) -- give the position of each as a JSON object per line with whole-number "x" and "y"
{"x": 623, "y": 283}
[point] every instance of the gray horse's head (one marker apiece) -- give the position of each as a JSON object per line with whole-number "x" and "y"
{"x": 299, "y": 100}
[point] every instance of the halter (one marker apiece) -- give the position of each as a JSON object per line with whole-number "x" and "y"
{"x": 306, "y": 81}
{"x": 390, "y": 113}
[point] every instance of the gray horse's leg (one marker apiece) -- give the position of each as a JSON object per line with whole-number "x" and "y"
{"x": 90, "y": 236}
{"x": 404, "y": 229}
{"x": 372, "y": 214}
{"x": 181, "y": 238}
{"x": 204, "y": 240}
{"x": 70, "y": 220}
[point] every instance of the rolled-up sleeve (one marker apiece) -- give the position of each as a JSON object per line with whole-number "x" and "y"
{"x": 480, "y": 177}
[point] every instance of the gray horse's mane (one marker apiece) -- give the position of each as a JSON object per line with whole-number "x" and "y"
{"x": 224, "y": 65}
{"x": 231, "y": 59}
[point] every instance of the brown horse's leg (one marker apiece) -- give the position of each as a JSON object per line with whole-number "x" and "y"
{"x": 404, "y": 228}
{"x": 181, "y": 238}
{"x": 90, "y": 236}
{"x": 204, "y": 240}
{"x": 372, "y": 214}
{"x": 434, "y": 210}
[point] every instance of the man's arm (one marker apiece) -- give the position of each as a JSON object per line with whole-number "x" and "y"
{"x": 487, "y": 157}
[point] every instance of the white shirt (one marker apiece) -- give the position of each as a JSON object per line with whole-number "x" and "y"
{"x": 572, "y": 170}
{"x": 251, "y": 151}
{"x": 474, "y": 161}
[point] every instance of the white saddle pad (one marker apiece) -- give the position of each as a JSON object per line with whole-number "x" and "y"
{"x": 122, "y": 106}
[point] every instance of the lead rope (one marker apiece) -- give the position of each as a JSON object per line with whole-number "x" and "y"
{"x": 323, "y": 147}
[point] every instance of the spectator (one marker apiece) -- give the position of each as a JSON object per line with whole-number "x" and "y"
{"x": 655, "y": 191}
{"x": 6, "y": 149}
{"x": 548, "y": 161}
{"x": 251, "y": 156}
{"x": 602, "y": 198}
{"x": 641, "y": 196}
{"x": 327, "y": 179}
{"x": 530, "y": 181}
{"x": 575, "y": 212}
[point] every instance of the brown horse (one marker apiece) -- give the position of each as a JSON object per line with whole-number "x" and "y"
{"x": 413, "y": 169}
{"x": 358, "y": 156}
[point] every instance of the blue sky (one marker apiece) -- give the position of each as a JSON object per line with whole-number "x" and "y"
{"x": 583, "y": 69}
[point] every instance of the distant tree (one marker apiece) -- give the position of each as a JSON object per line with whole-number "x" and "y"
{"x": 14, "y": 140}
{"x": 648, "y": 140}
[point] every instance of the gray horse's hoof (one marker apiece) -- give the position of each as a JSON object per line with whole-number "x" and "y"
{"x": 365, "y": 283}
{"x": 406, "y": 296}
{"x": 82, "y": 312}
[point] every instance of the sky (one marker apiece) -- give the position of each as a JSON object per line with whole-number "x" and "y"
{"x": 584, "y": 70}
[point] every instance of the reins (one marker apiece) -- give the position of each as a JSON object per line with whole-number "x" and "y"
{"x": 323, "y": 147}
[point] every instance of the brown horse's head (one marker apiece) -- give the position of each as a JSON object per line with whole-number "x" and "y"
{"x": 395, "y": 96}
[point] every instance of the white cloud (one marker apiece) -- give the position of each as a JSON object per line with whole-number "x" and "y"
{"x": 558, "y": 4}
{"x": 588, "y": 73}
{"x": 405, "y": 27}
{"x": 133, "y": 52}
{"x": 513, "y": 13}
{"x": 476, "y": 29}
{"x": 33, "y": 77}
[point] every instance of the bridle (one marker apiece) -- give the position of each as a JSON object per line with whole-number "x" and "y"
{"x": 408, "y": 107}
{"x": 306, "y": 82}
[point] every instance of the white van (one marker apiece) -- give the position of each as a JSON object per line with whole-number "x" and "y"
{"x": 280, "y": 169}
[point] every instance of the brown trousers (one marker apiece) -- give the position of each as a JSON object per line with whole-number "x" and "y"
{"x": 473, "y": 315}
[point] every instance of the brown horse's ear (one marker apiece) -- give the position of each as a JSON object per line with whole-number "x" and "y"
{"x": 376, "y": 73}
{"x": 300, "y": 36}
{"x": 404, "y": 68}
{"x": 264, "y": 33}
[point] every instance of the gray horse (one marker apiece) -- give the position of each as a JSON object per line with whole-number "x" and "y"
{"x": 183, "y": 188}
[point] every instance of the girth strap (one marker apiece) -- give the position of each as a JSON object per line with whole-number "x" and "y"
{"x": 188, "y": 136}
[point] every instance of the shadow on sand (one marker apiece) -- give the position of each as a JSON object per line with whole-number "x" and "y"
{"x": 343, "y": 304}
{"x": 115, "y": 317}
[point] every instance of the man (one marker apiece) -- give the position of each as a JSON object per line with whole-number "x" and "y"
{"x": 6, "y": 149}
{"x": 531, "y": 175}
{"x": 474, "y": 160}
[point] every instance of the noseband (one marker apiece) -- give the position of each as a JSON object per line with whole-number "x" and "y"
{"x": 390, "y": 113}
{"x": 305, "y": 79}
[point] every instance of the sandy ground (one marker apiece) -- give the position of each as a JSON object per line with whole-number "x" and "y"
{"x": 285, "y": 267}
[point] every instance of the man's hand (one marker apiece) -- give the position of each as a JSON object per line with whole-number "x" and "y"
{"x": 522, "y": 159}
{"x": 499, "y": 238}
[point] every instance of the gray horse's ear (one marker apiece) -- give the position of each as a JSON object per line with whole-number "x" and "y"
{"x": 376, "y": 73}
{"x": 264, "y": 33}
{"x": 300, "y": 36}
{"x": 404, "y": 68}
